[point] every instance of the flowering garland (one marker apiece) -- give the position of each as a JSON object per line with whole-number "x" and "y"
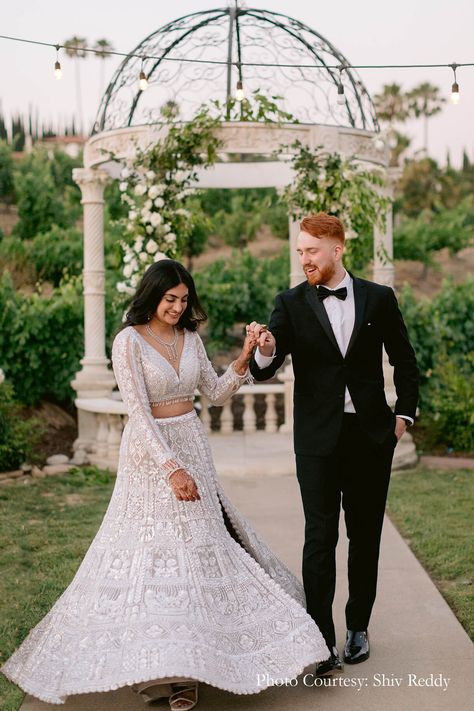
{"x": 157, "y": 183}
{"x": 327, "y": 182}
{"x": 149, "y": 220}
{"x": 155, "y": 186}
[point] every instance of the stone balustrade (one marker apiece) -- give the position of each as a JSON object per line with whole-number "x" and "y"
{"x": 253, "y": 407}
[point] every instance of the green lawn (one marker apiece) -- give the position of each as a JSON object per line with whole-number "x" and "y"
{"x": 47, "y": 525}
{"x": 45, "y": 529}
{"x": 434, "y": 512}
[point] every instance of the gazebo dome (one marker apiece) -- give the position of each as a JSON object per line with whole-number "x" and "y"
{"x": 243, "y": 40}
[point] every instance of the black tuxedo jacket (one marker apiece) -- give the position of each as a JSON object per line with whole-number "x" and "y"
{"x": 301, "y": 327}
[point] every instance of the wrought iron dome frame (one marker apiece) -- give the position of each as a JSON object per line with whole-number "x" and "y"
{"x": 231, "y": 44}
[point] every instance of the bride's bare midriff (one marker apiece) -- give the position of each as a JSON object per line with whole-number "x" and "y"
{"x": 173, "y": 410}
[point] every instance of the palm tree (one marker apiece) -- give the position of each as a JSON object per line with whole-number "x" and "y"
{"x": 75, "y": 48}
{"x": 424, "y": 100}
{"x": 102, "y": 48}
{"x": 391, "y": 105}
{"x": 398, "y": 143}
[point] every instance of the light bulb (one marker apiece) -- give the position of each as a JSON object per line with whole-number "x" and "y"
{"x": 455, "y": 93}
{"x": 341, "y": 99}
{"x": 143, "y": 81}
{"x": 239, "y": 94}
{"x": 58, "y": 72}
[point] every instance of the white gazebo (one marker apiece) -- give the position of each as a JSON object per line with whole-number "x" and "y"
{"x": 244, "y": 41}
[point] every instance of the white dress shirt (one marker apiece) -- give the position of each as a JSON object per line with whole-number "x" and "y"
{"x": 341, "y": 315}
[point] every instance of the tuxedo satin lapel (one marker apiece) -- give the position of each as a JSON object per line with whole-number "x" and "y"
{"x": 360, "y": 298}
{"x": 318, "y": 308}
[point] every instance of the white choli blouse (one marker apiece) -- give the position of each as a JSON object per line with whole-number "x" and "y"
{"x": 145, "y": 377}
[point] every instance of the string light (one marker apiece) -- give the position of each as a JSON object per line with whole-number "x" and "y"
{"x": 143, "y": 81}
{"x": 58, "y": 72}
{"x": 341, "y": 99}
{"x": 455, "y": 86}
{"x": 239, "y": 92}
{"x": 129, "y": 55}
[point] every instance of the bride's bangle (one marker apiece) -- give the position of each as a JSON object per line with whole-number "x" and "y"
{"x": 241, "y": 368}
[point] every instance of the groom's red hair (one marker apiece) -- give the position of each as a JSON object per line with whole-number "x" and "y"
{"x": 323, "y": 225}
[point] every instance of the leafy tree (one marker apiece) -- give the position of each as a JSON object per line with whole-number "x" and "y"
{"x": 3, "y": 128}
{"x": 231, "y": 289}
{"x": 39, "y": 204}
{"x": 201, "y": 226}
{"x": 6, "y": 173}
{"x": 419, "y": 188}
{"x": 421, "y": 237}
{"x": 18, "y": 133}
{"x": 56, "y": 253}
{"x": 239, "y": 226}
{"x": 424, "y": 185}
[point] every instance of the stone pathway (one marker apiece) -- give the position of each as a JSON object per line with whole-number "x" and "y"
{"x": 421, "y": 656}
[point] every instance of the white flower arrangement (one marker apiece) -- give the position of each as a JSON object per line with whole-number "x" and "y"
{"x": 152, "y": 205}
{"x": 154, "y": 184}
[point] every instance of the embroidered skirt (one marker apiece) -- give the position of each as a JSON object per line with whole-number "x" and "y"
{"x": 166, "y": 590}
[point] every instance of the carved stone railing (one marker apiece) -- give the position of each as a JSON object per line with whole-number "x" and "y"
{"x": 253, "y": 407}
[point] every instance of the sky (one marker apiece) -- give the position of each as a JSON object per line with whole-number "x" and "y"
{"x": 365, "y": 31}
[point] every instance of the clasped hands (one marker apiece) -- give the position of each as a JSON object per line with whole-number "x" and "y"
{"x": 259, "y": 335}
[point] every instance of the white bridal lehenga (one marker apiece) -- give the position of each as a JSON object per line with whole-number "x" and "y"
{"x": 164, "y": 589}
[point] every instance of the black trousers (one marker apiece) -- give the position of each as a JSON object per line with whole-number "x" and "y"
{"x": 358, "y": 473}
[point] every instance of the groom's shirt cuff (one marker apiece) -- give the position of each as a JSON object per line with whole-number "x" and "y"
{"x": 263, "y": 361}
{"x": 409, "y": 420}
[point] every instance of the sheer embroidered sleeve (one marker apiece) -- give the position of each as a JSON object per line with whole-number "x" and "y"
{"x": 129, "y": 375}
{"x": 216, "y": 388}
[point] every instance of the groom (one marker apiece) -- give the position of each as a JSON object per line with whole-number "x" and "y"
{"x": 335, "y": 326}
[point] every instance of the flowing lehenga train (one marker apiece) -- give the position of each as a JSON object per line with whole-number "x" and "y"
{"x": 165, "y": 590}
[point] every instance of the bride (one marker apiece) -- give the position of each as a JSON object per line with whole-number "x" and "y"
{"x": 176, "y": 587}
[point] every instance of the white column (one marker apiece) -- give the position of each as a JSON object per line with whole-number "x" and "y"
{"x": 94, "y": 379}
{"x": 384, "y": 273}
{"x": 296, "y": 277}
{"x": 296, "y": 272}
{"x": 384, "y": 270}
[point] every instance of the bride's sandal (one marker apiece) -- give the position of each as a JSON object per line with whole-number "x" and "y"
{"x": 151, "y": 691}
{"x": 185, "y": 696}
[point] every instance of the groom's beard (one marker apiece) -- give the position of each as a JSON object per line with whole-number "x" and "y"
{"x": 320, "y": 275}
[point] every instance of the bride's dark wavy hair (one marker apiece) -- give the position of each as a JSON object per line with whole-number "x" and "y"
{"x": 159, "y": 278}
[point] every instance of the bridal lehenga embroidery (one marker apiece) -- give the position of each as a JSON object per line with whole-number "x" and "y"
{"x": 165, "y": 590}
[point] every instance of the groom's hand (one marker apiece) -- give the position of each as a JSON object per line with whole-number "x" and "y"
{"x": 265, "y": 340}
{"x": 400, "y": 427}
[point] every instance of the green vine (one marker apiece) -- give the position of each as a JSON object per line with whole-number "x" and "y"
{"x": 327, "y": 182}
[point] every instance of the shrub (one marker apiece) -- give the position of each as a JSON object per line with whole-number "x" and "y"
{"x": 442, "y": 333}
{"x": 40, "y": 204}
{"x": 56, "y": 253}
{"x": 240, "y": 289}
{"x": 18, "y": 436}
{"x": 41, "y": 340}
{"x": 421, "y": 237}
{"x": 450, "y": 395}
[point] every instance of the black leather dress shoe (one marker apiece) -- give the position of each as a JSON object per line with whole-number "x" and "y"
{"x": 357, "y": 647}
{"x": 330, "y": 666}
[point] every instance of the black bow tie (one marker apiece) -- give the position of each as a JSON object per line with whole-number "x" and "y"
{"x": 338, "y": 293}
